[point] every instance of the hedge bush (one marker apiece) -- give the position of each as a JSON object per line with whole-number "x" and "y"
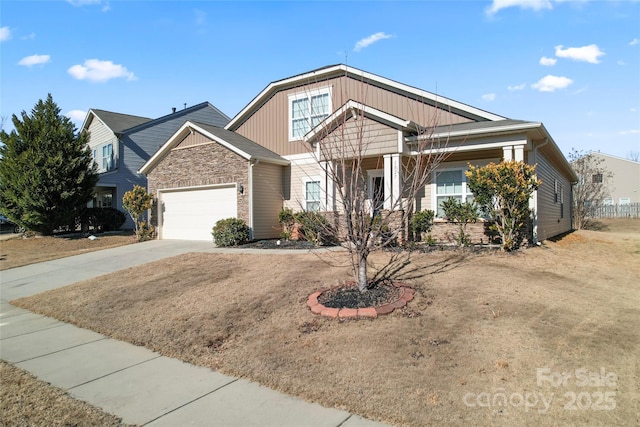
{"x": 102, "y": 219}
{"x": 230, "y": 232}
{"x": 314, "y": 227}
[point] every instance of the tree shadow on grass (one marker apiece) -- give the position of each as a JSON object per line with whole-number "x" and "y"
{"x": 401, "y": 266}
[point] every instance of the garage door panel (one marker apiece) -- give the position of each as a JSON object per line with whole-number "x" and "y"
{"x": 191, "y": 214}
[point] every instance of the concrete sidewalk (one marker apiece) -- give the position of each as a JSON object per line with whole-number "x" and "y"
{"x": 132, "y": 382}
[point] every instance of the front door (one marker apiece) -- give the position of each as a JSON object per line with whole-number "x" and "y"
{"x": 377, "y": 196}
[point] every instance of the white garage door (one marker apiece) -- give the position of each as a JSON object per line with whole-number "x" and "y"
{"x": 191, "y": 214}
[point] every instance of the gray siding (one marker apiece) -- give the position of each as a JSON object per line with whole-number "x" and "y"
{"x": 267, "y": 200}
{"x": 364, "y": 136}
{"x": 550, "y": 219}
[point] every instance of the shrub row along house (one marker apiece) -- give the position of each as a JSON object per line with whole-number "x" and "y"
{"x": 270, "y": 155}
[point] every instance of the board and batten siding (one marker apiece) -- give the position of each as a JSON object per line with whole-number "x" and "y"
{"x": 374, "y": 138}
{"x": 551, "y": 221}
{"x": 267, "y": 200}
{"x": 269, "y": 125}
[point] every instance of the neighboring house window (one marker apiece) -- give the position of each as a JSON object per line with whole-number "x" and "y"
{"x": 451, "y": 184}
{"x": 608, "y": 202}
{"x": 555, "y": 191}
{"x": 625, "y": 200}
{"x": 312, "y": 195}
{"x": 306, "y": 110}
{"x": 596, "y": 178}
{"x": 561, "y": 202}
{"x": 95, "y": 157}
{"x": 107, "y": 157}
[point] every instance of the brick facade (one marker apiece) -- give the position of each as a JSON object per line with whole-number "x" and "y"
{"x": 199, "y": 165}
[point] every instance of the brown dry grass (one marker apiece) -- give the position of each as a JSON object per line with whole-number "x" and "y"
{"x": 18, "y": 252}
{"x": 26, "y": 401}
{"x": 480, "y": 323}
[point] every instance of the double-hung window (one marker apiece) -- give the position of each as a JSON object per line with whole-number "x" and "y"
{"x": 451, "y": 184}
{"x": 107, "y": 157}
{"x": 306, "y": 111}
{"x": 312, "y": 195}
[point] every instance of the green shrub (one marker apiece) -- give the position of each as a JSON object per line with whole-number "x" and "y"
{"x": 230, "y": 232}
{"x": 102, "y": 219}
{"x": 314, "y": 227}
{"x": 422, "y": 221}
{"x": 146, "y": 231}
{"x": 286, "y": 219}
{"x": 462, "y": 213}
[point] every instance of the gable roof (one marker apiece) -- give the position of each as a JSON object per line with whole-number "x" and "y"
{"x": 117, "y": 122}
{"x": 366, "y": 111}
{"x": 344, "y": 70}
{"x": 237, "y": 143}
{"x": 224, "y": 119}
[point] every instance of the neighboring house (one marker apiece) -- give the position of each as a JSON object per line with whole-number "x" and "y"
{"x": 122, "y": 143}
{"x": 623, "y": 184}
{"x": 267, "y": 158}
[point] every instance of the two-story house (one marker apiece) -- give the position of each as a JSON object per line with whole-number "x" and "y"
{"x": 122, "y": 143}
{"x": 270, "y": 155}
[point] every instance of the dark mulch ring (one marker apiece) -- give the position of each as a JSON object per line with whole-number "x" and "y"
{"x": 349, "y": 296}
{"x": 280, "y": 244}
{"x": 423, "y": 248}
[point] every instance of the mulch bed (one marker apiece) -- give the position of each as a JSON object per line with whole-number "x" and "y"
{"x": 350, "y": 296}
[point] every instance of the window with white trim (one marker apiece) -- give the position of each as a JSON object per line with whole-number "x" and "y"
{"x": 307, "y": 110}
{"x": 451, "y": 184}
{"x": 312, "y": 195}
{"x": 625, "y": 200}
{"x": 107, "y": 157}
{"x": 608, "y": 201}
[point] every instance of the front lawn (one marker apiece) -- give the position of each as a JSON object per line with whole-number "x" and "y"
{"x": 482, "y": 325}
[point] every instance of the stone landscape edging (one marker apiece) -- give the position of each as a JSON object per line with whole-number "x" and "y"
{"x": 406, "y": 295}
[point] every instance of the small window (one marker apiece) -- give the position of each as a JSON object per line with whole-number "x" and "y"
{"x": 306, "y": 111}
{"x": 625, "y": 200}
{"x": 561, "y": 202}
{"x": 451, "y": 184}
{"x": 312, "y": 196}
{"x": 596, "y": 178}
{"x": 107, "y": 157}
{"x": 555, "y": 191}
{"x": 608, "y": 202}
{"x": 107, "y": 200}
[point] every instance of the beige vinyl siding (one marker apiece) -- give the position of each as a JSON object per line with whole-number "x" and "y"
{"x": 295, "y": 177}
{"x": 549, "y": 221}
{"x": 194, "y": 138}
{"x": 374, "y": 138}
{"x": 267, "y": 200}
{"x": 269, "y": 125}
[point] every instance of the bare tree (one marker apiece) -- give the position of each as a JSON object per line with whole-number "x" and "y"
{"x": 591, "y": 188}
{"x": 346, "y": 145}
{"x": 633, "y": 155}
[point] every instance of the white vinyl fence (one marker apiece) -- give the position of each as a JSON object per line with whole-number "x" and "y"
{"x": 630, "y": 210}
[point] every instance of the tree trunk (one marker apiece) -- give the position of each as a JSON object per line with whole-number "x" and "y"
{"x": 362, "y": 272}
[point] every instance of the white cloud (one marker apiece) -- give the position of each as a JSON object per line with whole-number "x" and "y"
{"x": 30, "y": 61}
{"x": 630, "y": 132}
{"x": 589, "y": 53}
{"x": 514, "y": 88}
{"x": 634, "y": 42}
{"x": 524, "y": 4}
{"x": 79, "y": 3}
{"x": 96, "y": 70}
{"x": 489, "y": 96}
{"x": 77, "y": 115}
{"x": 367, "y": 41}
{"x": 548, "y": 62}
{"x": 5, "y": 34}
{"x": 552, "y": 83}
{"x": 31, "y": 36}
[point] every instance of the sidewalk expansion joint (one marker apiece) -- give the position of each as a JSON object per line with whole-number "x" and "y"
{"x": 191, "y": 401}
{"x": 114, "y": 372}
{"x": 58, "y": 351}
{"x": 35, "y": 332}
{"x": 345, "y": 420}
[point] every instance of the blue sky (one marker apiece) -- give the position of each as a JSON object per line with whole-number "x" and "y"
{"x": 573, "y": 65}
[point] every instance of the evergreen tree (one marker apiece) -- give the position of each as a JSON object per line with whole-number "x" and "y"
{"x": 47, "y": 173}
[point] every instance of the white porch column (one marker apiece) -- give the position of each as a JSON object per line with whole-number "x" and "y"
{"x": 518, "y": 151}
{"x": 388, "y": 174}
{"x": 396, "y": 179}
{"x": 327, "y": 167}
{"x": 507, "y": 153}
